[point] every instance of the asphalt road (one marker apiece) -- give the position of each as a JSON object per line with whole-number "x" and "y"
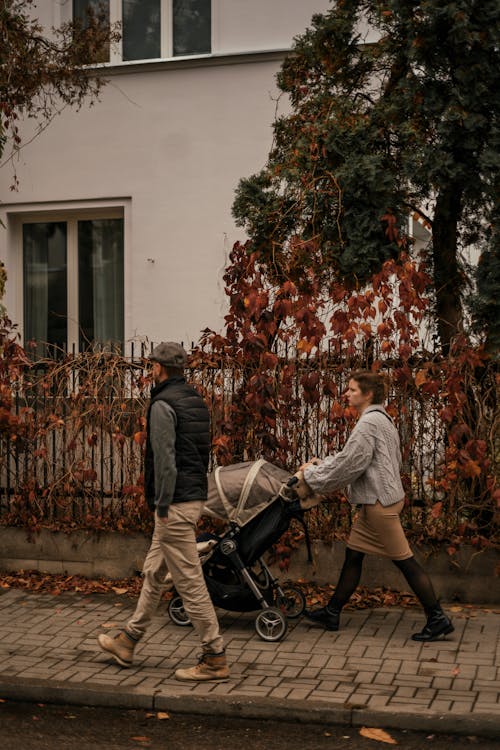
{"x": 48, "y": 727}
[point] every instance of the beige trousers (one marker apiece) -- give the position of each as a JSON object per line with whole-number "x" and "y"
{"x": 173, "y": 548}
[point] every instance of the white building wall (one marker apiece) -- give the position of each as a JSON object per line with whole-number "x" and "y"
{"x": 168, "y": 142}
{"x": 261, "y": 24}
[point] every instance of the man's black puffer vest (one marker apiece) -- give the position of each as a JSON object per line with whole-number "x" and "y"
{"x": 192, "y": 441}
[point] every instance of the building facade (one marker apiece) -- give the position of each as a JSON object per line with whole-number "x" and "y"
{"x": 121, "y": 227}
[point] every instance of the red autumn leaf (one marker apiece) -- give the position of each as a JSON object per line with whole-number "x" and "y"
{"x": 350, "y": 412}
{"x": 140, "y": 437}
{"x": 437, "y": 509}
{"x": 447, "y": 414}
{"x": 337, "y": 411}
{"x": 351, "y": 332}
{"x": 330, "y": 388}
{"x": 472, "y": 469}
{"x": 289, "y": 288}
{"x": 305, "y": 346}
{"x": 269, "y": 360}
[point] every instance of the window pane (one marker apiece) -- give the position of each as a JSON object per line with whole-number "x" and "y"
{"x": 141, "y": 29}
{"x": 100, "y": 282}
{"x": 192, "y": 27}
{"x": 45, "y": 285}
{"x": 81, "y": 11}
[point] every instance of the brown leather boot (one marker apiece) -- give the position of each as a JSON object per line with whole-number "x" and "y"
{"x": 210, "y": 667}
{"x": 121, "y": 647}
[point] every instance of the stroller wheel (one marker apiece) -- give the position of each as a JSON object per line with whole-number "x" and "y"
{"x": 291, "y": 602}
{"x": 271, "y": 624}
{"x": 176, "y": 611}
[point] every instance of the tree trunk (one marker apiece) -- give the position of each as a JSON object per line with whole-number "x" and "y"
{"x": 448, "y": 278}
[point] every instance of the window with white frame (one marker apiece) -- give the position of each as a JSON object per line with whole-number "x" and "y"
{"x": 73, "y": 282}
{"x": 155, "y": 29}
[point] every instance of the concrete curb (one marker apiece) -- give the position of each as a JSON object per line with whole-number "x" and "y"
{"x": 276, "y": 709}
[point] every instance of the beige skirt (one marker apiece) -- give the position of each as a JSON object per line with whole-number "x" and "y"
{"x": 377, "y": 530}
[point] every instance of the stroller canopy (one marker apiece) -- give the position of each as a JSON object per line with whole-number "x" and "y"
{"x": 240, "y": 491}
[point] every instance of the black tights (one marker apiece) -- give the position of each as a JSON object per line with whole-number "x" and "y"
{"x": 349, "y": 579}
{"x": 350, "y": 574}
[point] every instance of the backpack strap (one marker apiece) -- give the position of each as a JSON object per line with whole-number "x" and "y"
{"x": 384, "y": 413}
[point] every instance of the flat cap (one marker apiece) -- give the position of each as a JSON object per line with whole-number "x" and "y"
{"x": 169, "y": 354}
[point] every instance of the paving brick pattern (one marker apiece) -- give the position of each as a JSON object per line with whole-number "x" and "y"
{"x": 370, "y": 663}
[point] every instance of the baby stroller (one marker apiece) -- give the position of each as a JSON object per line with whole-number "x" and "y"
{"x": 258, "y": 501}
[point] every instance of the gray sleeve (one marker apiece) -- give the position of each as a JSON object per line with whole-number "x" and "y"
{"x": 340, "y": 470}
{"x": 162, "y": 430}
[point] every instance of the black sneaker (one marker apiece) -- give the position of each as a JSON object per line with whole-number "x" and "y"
{"x": 328, "y": 618}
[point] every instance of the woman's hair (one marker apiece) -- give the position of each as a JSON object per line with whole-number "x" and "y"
{"x": 371, "y": 381}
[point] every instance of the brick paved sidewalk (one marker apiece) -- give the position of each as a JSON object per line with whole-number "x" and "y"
{"x": 370, "y": 672}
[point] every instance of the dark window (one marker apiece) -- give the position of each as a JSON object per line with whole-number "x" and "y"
{"x": 100, "y": 282}
{"x": 141, "y": 21}
{"x": 192, "y": 27}
{"x": 80, "y": 258}
{"x": 45, "y": 286}
{"x": 83, "y": 10}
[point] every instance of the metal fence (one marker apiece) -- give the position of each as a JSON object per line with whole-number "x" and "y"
{"x": 78, "y": 446}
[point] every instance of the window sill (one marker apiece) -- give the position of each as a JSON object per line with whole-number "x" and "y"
{"x": 191, "y": 61}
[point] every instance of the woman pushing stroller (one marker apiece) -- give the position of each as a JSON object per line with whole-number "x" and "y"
{"x": 370, "y": 465}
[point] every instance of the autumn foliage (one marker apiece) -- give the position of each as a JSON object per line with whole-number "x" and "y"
{"x": 72, "y": 436}
{"x": 42, "y": 71}
{"x": 72, "y": 428}
{"x": 293, "y": 344}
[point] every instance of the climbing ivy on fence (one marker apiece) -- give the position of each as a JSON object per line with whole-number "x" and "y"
{"x": 72, "y": 428}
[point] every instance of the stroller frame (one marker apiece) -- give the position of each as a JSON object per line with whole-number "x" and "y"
{"x": 237, "y": 553}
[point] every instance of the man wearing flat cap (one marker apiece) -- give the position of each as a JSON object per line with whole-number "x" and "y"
{"x": 175, "y": 479}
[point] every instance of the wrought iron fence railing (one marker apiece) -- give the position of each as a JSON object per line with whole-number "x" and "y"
{"x": 78, "y": 445}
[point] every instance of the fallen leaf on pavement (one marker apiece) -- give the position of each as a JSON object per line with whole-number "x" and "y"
{"x": 109, "y": 625}
{"x": 377, "y": 734}
{"x": 162, "y": 715}
{"x": 119, "y": 591}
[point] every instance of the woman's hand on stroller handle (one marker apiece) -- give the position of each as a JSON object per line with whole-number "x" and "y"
{"x": 300, "y": 486}
{"x": 312, "y": 462}
{"x": 307, "y": 497}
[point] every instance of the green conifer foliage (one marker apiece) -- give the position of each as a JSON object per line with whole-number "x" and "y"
{"x": 402, "y": 120}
